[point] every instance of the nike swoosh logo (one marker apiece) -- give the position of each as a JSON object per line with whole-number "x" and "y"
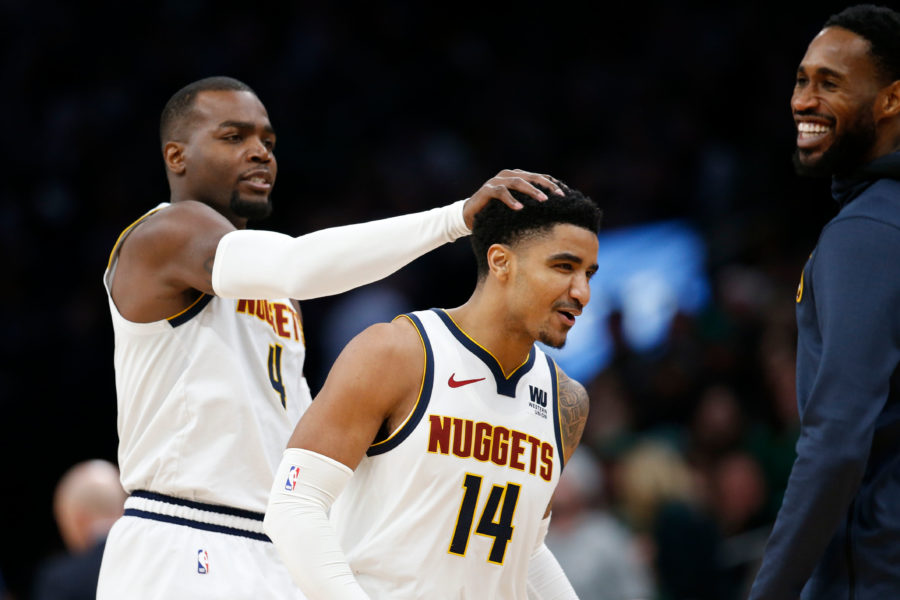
{"x": 455, "y": 384}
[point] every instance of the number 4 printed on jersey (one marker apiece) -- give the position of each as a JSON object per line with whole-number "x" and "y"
{"x": 501, "y": 529}
{"x": 275, "y": 378}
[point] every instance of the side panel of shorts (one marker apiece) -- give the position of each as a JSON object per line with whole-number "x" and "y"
{"x": 151, "y": 560}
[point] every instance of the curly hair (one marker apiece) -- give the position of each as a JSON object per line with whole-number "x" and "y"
{"x": 497, "y": 224}
{"x": 180, "y": 104}
{"x": 880, "y": 26}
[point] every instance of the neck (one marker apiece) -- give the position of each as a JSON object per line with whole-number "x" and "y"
{"x": 888, "y": 141}
{"x": 179, "y": 195}
{"x": 487, "y": 321}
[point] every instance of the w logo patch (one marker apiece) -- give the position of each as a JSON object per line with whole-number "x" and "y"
{"x": 538, "y": 401}
{"x": 538, "y": 396}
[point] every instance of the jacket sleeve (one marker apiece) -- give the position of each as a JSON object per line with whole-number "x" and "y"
{"x": 855, "y": 287}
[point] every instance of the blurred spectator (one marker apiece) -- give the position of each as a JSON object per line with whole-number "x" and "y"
{"x": 598, "y": 553}
{"x": 87, "y": 501}
{"x": 659, "y": 496}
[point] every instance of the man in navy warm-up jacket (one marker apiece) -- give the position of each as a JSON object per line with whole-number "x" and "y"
{"x": 837, "y": 535}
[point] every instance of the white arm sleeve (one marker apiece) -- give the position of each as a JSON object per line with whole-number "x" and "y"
{"x": 255, "y": 264}
{"x": 546, "y": 579}
{"x": 306, "y": 484}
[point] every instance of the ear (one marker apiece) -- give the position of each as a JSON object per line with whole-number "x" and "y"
{"x": 500, "y": 259}
{"x": 887, "y": 105}
{"x": 173, "y": 155}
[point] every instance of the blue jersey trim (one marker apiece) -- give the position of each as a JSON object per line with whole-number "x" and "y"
{"x": 216, "y": 508}
{"x": 191, "y": 311}
{"x": 382, "y": 446}
{"x": 557, "y": 418}
{"x": 143, "y": 514}
{"x": 506, "y": 386}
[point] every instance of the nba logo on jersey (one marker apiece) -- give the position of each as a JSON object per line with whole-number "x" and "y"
{"x": 202, "y": 562}
{"x": 291, "y": 482}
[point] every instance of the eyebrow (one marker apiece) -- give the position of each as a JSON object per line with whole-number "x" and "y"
{"x": 822, "y": 71}
{"x": 244, "y": 125}
{"x": 570, "y": 257}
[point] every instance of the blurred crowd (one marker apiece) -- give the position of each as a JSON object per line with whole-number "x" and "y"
{"x": 657, "y": 111}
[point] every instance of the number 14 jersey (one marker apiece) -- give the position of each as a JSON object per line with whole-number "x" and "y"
{"x": 449, "y": 505}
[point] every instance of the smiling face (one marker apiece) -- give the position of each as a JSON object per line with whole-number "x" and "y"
{"x": 549, "y": 277}
{"x": 226, "y": 158}
{"x": 833, "y": 102}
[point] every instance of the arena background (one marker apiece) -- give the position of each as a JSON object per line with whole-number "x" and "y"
{"x": 661, "y": 111}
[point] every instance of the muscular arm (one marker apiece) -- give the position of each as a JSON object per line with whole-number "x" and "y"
{"x": 546, "y": 578}
{"x": 265, "y": 264}
{"x": 375, "y": 380}
{"x": 573, "y": 409}
{"x": 842, "y": 395}
{"x": 166, "y": 261}
{"x": 189, "y": 248}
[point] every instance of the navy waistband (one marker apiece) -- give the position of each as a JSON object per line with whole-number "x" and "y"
{"x": 199, "y": 515}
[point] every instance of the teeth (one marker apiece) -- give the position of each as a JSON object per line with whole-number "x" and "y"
{"x": 813, "y": 128}
{"x": 258, "y": 179}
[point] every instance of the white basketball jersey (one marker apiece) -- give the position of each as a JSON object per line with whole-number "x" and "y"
{"x": 449, "y": 505}
{"x": 207, "y": 398}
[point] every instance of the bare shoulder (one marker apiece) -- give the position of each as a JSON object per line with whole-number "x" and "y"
{"x": 383, "y": 362}
{"x": 573, "y": 409}
{"x": 369, "y": 385}
{"x": 174, "y": 227}
{"x": 166, "y": 260}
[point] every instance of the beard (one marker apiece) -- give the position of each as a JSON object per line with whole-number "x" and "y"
{"x": 547, "y": 339}
{"x": 845, "y": 154}
{"x": 252, "y": 210}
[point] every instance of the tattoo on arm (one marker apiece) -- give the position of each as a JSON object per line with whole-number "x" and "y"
{"x": 573, "y": 408}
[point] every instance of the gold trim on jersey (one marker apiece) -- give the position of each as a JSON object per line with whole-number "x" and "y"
{"x": 125, "y": 232}
{"x": 463, "y": 331}
{"x": 193, "y": 304}
{"x": 421, "y": 386}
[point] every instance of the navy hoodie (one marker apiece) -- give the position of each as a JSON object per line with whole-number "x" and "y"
{"x": 837, "y": 535}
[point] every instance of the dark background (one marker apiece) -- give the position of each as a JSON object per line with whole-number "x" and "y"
{"x": 655, "y": 109}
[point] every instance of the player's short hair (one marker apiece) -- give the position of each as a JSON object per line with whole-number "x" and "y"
{"x": 880, "y": 26}
{"x": 498, "y": 224}
{"x": 181, "y": 103}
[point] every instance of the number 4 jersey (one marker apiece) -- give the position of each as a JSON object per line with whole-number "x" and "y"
{"x": 208, "y": 397}
{"x": 449, "y": 505}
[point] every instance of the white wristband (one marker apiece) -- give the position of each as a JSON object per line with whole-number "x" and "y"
{"x": 306, "y": 484}
{"x": 255, "y": 264}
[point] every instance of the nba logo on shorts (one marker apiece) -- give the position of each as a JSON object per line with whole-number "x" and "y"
{"x": 292, "y": 479}
{"x": 202, "y": 562}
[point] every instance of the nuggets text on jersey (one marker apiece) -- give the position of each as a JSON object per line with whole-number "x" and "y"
{"x": 482, "y": 441}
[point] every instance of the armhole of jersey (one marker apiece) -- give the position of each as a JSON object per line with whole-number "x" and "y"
{"x": 175, "y": 320}
{"x": 380, "y": 446}
{"x": 557, "y": 416}
{"x": 124, "y": 234}
{"x": 191, "y": 311}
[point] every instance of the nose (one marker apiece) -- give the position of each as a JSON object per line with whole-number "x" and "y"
{"x": 580, "y": 289}
{"x": 259, "y": 152}
{"x": 803, "y": 99}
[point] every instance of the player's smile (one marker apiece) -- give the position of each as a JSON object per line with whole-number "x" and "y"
{"x": 814, "y": 133}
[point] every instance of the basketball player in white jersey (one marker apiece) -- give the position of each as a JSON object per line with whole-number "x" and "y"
{"x": 457, "y": 426}
{"x": 209, "y": 347}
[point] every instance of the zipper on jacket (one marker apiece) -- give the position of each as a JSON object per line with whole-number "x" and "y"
{"x": 848, "y": 546}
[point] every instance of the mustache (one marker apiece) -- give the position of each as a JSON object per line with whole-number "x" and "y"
{"x": 811, "y": 113}
{"x": 575, "y": 305}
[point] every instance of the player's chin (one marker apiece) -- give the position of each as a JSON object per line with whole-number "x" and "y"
{"x": 554, "y": 339}
{"x": 251, "y": 206}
